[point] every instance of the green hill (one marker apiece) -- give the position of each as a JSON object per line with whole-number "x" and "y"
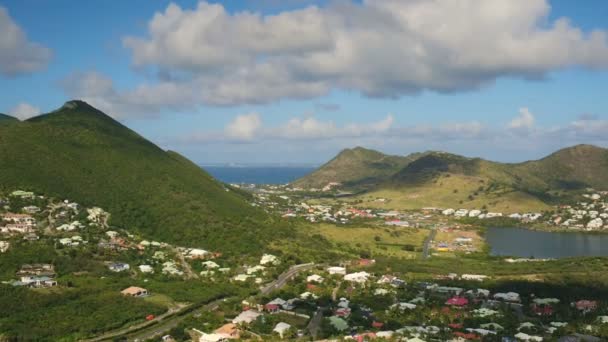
{"x": 355, "y": 167}
{"x": 7, "y": 118}
{"x": 448, "y": 180}
{"x": 80, "y": 153}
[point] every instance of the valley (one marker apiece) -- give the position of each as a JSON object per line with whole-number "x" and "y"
{"x": 401, "y": 248}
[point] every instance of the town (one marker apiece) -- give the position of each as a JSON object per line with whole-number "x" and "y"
{"x": 335, "y": 299}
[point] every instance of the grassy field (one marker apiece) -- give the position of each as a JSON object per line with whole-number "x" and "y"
{"x": 388, "y": 241}
{"x": 455, "y": 191}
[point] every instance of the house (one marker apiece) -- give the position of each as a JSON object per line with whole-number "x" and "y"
{"x": 31, "y": 209}
{"x": 195, "y": 253}
{"x": 477, "y": 277}
{"x": 246, "y": 317}
{"x": 281, "y": 328}
{"x": 37, "y": 281}
{"x": 366, "y": 262}
{"x": 457, "y": 301}
{"x": 275, "y": 305}
{"x": 525, "y": 337}
{"x": 118, "y": 267}
{"x": 508, "y": 297}
{"x": 542, "y": 309}
{"x": 146, "y": 269}
{"x": 255, "y": 269}
{"x": 230, "y": 330}
{"x": 403, "y": 306}
{"x": 269, "y": 259}
{"x": 308, "y": 295}
{"x": 386, "y": 334}
{"x": 19, "y": 219}
{"x": 37, "y": 269}
{"x": 134, "y": 291}
{"x": 357, "y": 277}
{"x": 213, "y": 337}
{"x": 478, "y": 293}
{"x": 242, "y": 277}
{"x": 586, "y": 305}
{"x": 210, "y": 264}
{"x": 336, "y": 270}
{"x": 19, "y": 228}
{"x": 315, "y": 278}
{"x": 4, "y": 245}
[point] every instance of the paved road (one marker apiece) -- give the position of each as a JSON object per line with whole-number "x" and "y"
{"x": 164, "y": 323}
{"x": 426, "y": 249}
{"x": 314, "y": 325}
{"x": 285, "y": 277}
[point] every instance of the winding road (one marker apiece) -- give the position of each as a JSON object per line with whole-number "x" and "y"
{"x": 171, "y": 319}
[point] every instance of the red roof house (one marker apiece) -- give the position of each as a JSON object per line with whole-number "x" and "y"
{"x": 457, "y": 301}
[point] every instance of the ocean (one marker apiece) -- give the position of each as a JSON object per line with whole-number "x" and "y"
{"x": 258, "y": 174}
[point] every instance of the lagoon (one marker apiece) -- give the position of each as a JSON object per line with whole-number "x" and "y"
{"x": 526, "y": 243}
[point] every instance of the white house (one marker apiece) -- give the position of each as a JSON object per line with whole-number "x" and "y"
{"x": 336, "y": 270}
{"x": 357, "y": 277}
{"x": 448, "y": 212}
{"x": 478, "y": 277}
{"x": 246, "y": 317}
{"x": 146, "y": 269}
{"x": 269, "y": 259}
{"x": 281, "y": 328}
{"x": 474, "y": 213}
{"x": 509, "y": 296}
{"x": 314, "y": 278}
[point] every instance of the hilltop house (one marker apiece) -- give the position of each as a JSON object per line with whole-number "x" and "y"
{"x": 118, "y": 267}
{"x": 37, "y": 270}
{"x": 36, "y": 281}
{"x": 134, "y": 291}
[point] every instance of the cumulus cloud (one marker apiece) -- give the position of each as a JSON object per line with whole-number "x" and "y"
{"x": 18, "y": 55}
{"x": 522, "y": 123}
{"x": 244, "y": 127}
{"x": 143, "y": 101}
{"x": 248, "y": 128}
{"x": 380, "y": 48}
{"x": 24, "y": 111}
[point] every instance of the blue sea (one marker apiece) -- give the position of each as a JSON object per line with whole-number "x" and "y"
{"x": 258, "y": 174}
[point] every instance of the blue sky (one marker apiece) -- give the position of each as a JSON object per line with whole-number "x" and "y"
{"x": 296, "y": 81}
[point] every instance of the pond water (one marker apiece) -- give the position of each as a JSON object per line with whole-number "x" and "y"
{"x": 525, "y": 243}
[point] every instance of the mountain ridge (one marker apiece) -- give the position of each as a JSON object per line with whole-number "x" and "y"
{"x": 547, "y": 179}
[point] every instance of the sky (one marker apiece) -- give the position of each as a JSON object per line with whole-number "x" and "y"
{"x": 296, "y": 81}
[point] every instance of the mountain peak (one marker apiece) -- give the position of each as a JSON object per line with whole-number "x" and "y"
{"x": 76, "y": 104}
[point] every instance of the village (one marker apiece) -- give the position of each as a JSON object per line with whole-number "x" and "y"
{"x": 336, "y": 300}
{"x": 590, "y": 213}
{"x": 350, "y": 302}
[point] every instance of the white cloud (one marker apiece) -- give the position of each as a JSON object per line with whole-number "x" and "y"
{"x": 248, "y": 128}
{"x": 143, "y": 101}
{"x": 17, "y": 54}
{"x": 522, "y": 123}
{"x": 380, "y": 48}
{"x": 24, "y": 111}
{"x": 315, "y": 139}
{"x": 244, "y": 127}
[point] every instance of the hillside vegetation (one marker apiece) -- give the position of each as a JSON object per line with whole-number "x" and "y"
{"x": 7, "y": 118}
{"x": 83, "y": 154}
{"x": 355, "y": 167}
{"x": 448, "y": 180}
